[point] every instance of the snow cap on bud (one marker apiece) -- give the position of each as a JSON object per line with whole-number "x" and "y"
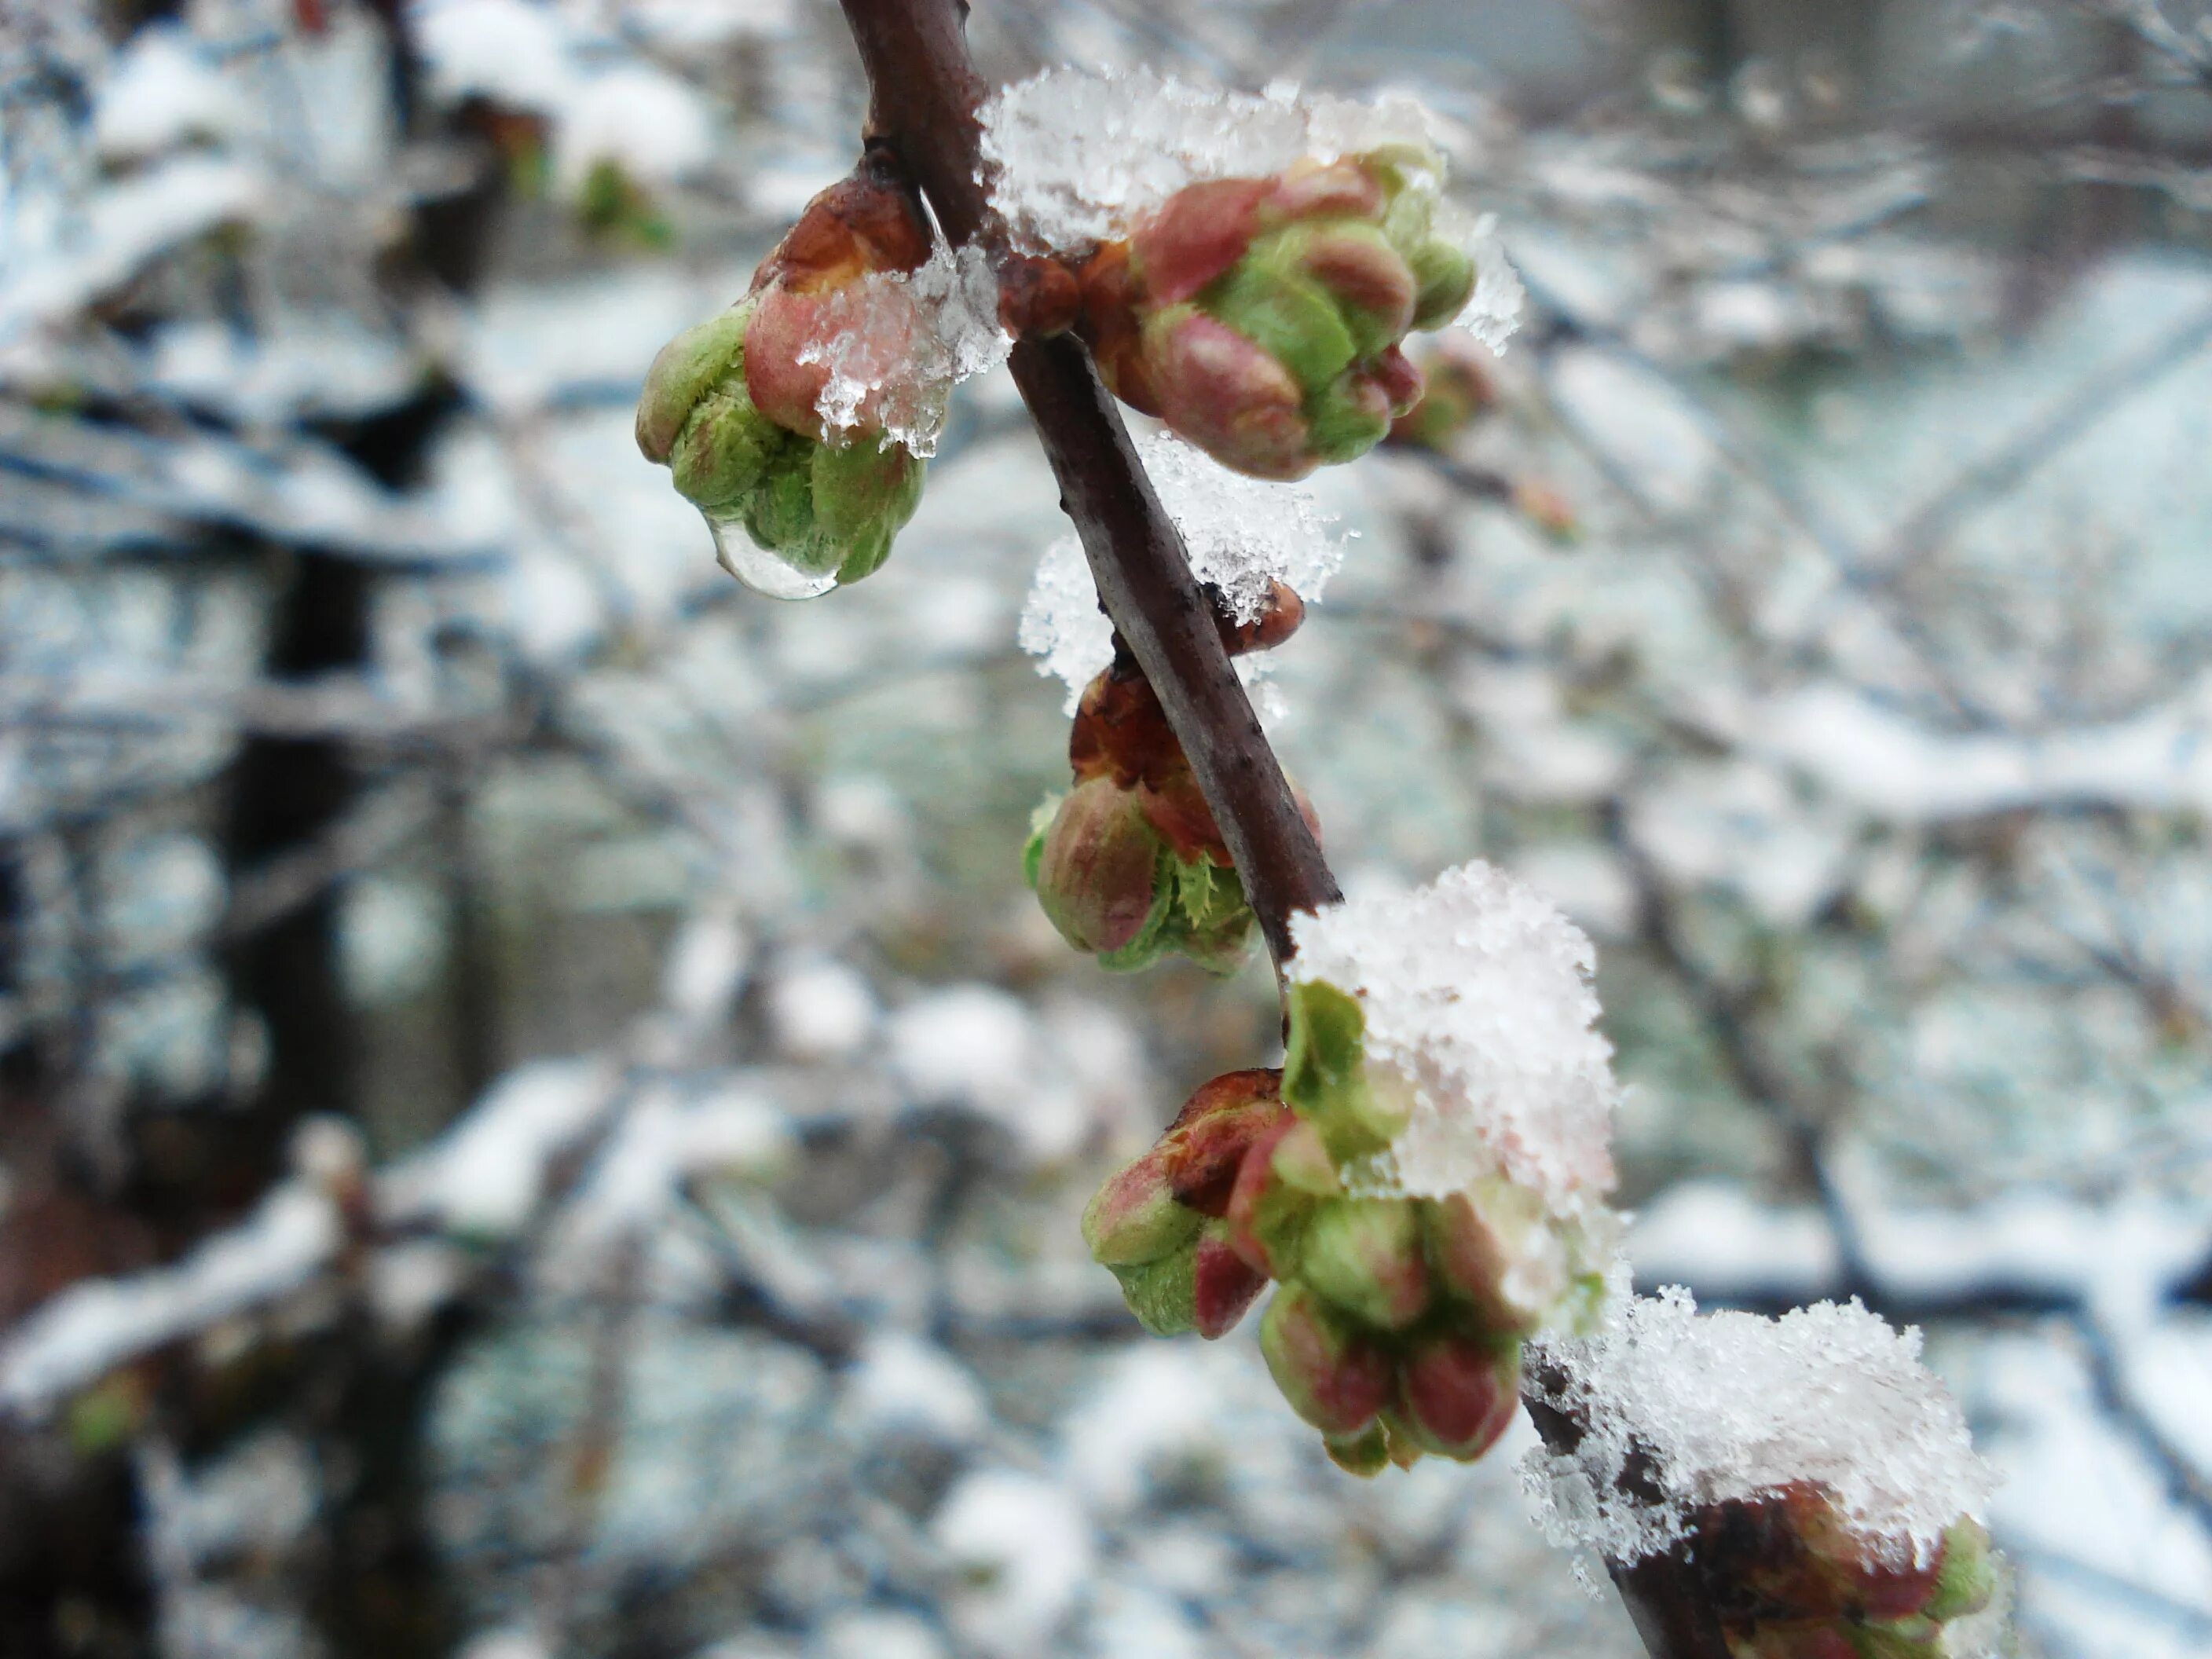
{"x": 1262, "y": 317}
{"x": 730, "y": 407}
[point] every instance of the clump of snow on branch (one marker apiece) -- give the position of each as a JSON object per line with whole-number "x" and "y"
{"x": 1475, "y": 991}
{"x": 1734, "y": 1406}
{"x": 1077, "y": 156}
{"x": 1241, "y": 535}
{"x": 897, "y": 343}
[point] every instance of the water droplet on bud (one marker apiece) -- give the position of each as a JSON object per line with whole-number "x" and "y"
{"x": 761, "y": 570}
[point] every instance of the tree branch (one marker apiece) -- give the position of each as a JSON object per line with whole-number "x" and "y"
{"x": 924, "y": 96}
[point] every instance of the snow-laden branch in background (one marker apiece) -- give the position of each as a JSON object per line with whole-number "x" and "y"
{"x": 1731, "y": 1405}
{"x": 896, "y": 343}
{"x": 94, "y": 1327}
{"x": 1241, "y": 535}
{"x": 1885, "y": 763}
{"x": 1078, "y": 157}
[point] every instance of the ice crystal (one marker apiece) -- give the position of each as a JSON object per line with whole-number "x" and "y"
{"x": 1240, "y": 534}
{"x": 1732, "y": 1406}
{"x": 1475, "y": 992}
{"x": 1077, "y": 155}
{"x": 897, "y": 343}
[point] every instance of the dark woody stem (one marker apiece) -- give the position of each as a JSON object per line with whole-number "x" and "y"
{"x": 924, "y": 96}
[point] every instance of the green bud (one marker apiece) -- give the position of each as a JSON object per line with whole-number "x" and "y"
{"x": 1134, "y": 1217}
{"x": 1347, "y": 418}
{"x": 1968, "y": 1579}
{"x": 1365, "y": 1455}
{"x": 1332, "y": 1376}
{"x": 1444, "y": 277}
{"x": 726, "y": 449}
{"x": 1163, "y": 1294}
{"x": 682, "y": 372}
{"x": 1364, "y": 1256}
{"x": 1265, "y": 298}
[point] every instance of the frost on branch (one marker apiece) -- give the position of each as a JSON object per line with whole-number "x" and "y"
{"x": 1241, "y": 537}
{"x": 896, "y": 343}
{"x": 1475, "y": 1016}
{"x": 1079, "y": 156}
{"x": 1735, "y": 1405}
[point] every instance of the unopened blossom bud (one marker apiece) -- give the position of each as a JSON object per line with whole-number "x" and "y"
{"x": 1364, "y": 1256}
{"x": 1097, "y": 868}
{"x": 1200, "y": 1285}
{"x": 1334, "y": 1376}
{"x": 731, "y": 407}
{"x": 1494, "y": 1248}
{"x": 1457, "y": 1393}
{"x": 1966, "y": 1575}
{"x": 1205, "y": 1147}
{"x": 1267, "y": 1215}
{"x": 1262, "y": 317}
{"x": 1114, "y": 884}
{"x": 1457, "y": 388}
{"x": 1366, "y": 1453}
{"x": 1134, "y": 1217}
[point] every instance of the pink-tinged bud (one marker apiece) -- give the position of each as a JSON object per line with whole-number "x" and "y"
{"x": 1134, "y": 1217}
{"x": 1363, "y": 1255}
{"x": 1226, "y": 395}
{"x": 1459, "y": 1394}
{"x": 1204, "y": 1147}
{"x": 1265, "y": 1213}
{"x": 1332, "y": 1376}
{"x": 1868, "y": 1579}
{"x": 1195, "y": 235}
{"x": 1222, "y": 1286}
{"x": 1493, "y": 1248}
{"x": 783, "y": 388}
{"x": 1319, "y": 190}
{"x": 1097, "y": 872}
{"x": 1401, "y": 380}
{"x": 1301, "y": 1162}
{"x": 1356, "y": 264}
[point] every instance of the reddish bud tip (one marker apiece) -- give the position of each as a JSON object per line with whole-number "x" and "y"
{"x": 1332, "y": 1376}
{"x": 1195, "y": 235}
{"x": 1222, "y": 1286}
{"x": 1459, "y": 1394}
{"x": 1037, "y": 298}
{"x": 1204, "y": 1147}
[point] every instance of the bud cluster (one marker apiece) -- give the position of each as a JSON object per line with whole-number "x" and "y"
{"x": 1262, "y": 317}
{"x": 1796, "y": 1581}
{"x": 731, "y": 406}
{"x": 1129, "y": 865}
{"x": 1396, "y": 1329}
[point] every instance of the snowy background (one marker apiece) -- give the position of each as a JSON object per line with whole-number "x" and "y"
{"x": 536, "y": 1115}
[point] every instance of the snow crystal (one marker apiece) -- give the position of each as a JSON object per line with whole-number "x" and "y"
{"x": 1732, "y": 1406}
{"x": 898, "y": 343}
{"x": 1079, "y": 155}
{"x": 1240, "y": 534}
{"x": 1475, "y": 990}
{"x": 1494, "y": 310}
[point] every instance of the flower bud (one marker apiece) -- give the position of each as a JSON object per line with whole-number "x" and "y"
{"x": 1332, "y": 1376}
{"x": 1096, "y": 869}
{"x": 1134, "y": 1219}
{"x": 1365, "y": 1455}
{"x": 1200, "y": 1285}
{"x": 730, "y": 406}
{"x": 1204, "y": 1148}
{"x": 1261, "y": 318}
{"x": 1967, "y": 1574}
{"x": 1458, "y": 1394}
{"x": 1265, "y": 1214}
{"x": 1363, "y": 1255}
{"x": 1493, "y": 1248}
